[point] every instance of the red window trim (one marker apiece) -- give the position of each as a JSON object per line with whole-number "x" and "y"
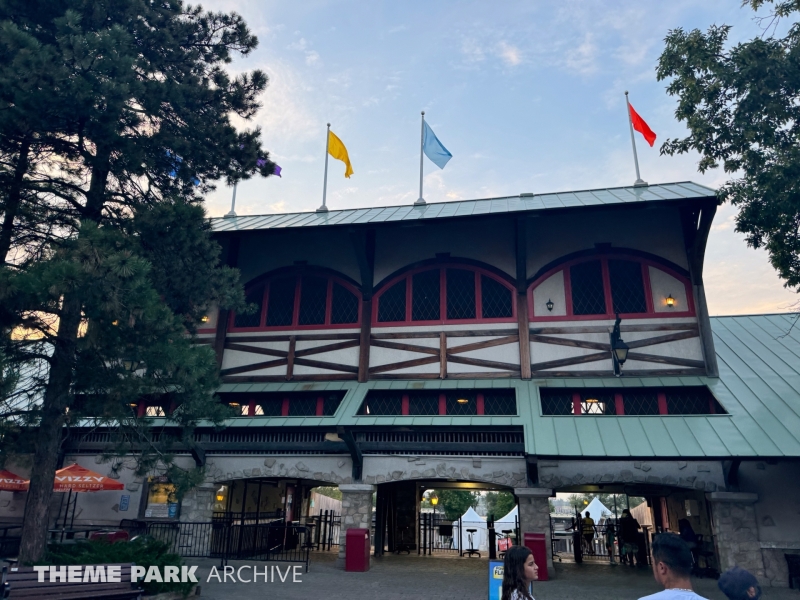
{"x": 296, "y": 308}
{"x": 443, "y": 320}
{"x": 648, "y": 294}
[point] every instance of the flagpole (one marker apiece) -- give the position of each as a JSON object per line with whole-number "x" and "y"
{"x": 232, "y": 213}
{"x": 639, "y": 180}
{"x": 421, "y": 201}
{"x": 324, "y": 208}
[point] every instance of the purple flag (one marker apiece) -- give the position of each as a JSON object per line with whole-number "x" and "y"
{"x": 277, "y": 171}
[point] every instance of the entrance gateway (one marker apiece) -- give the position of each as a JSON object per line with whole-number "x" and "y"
{"x": 470, "y": 343}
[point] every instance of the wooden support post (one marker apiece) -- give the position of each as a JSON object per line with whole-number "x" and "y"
{"x": 442, "y": 355}
{"x": 524, "y": 336}
{"x": 290, "y": 357}
{"x": 364, "y": 340}
{"x": 521, "y": 255}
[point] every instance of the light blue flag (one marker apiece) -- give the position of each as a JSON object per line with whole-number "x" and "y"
{"x": 433, "y": 148}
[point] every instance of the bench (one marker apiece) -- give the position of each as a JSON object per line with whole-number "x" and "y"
{"x": 23, "y": 582}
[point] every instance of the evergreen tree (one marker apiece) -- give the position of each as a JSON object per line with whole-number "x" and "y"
{"x": 107, "y": 261}
{"x": 455, "y": 503}
{"x": 741, "y": 104}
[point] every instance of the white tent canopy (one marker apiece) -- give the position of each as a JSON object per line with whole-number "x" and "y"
{"x": 597, "y": 510}
{"x": 480, "y": 537}
{"x": 508, "y": 521}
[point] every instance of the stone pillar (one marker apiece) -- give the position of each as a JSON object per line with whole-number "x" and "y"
{"x": 735, "y": 531}
{"x": 356, "y": 512}
{"x": 534, "y": 517}
{"x": 198, "y": 503}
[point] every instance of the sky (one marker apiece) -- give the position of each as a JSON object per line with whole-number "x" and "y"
{"x": 528, "y": 97}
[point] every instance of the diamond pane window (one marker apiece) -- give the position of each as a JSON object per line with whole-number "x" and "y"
{"x": 462, "y": 403}
{"x": 627, "y": 286}
{"x": 344, "y": 305}
{"x": 423, "y": 404}
{"x": 270, "y": 408}
{"x": 588, "y": 297}
{"x": 495, "y": 299}
{"x": 280, "y": 309}
{"x": 460, "y": 294}
{"x": 640, "y": 402}
{"x": 598, "y": 403}
{"x": 304, "y": 406}
{"x": 556, "y": 402}
{"x": 499, "y": 402}
{"x": 425, "y": 296}
{"x": 330, "y": 405}
{"x": 313, "y": 293}
{"x": 382, "y": 403}
{"x": 692, "y": 401}
{"x": 255, "y": 296}
{"x": 392, "y": 303}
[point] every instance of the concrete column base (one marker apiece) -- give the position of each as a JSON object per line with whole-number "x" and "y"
{"x": 356, "y": 512}
{"x": 736, "y": 532}
{"x": 534, "y": 517}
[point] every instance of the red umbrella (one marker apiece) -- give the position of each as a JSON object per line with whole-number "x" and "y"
{"x": 12, "y": 483}
{"x": 75, "y": 478}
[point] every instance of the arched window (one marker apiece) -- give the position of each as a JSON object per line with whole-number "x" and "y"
{"x": 600, "y": 287}
{"x": 445, "y": 294}
{"x": 307, "y": 301}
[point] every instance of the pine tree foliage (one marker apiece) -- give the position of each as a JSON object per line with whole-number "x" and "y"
{"x": 115, "y": 120}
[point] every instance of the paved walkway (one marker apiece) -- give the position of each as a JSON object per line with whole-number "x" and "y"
{"x": 437, "y": 578}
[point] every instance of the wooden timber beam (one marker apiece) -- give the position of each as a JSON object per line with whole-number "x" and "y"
{"x": 521, "y": 256}
{"x": 364, "y": 246}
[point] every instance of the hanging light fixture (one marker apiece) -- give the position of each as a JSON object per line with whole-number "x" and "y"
{"x": 670, "y": 301}
{"x": 619, "y": 349}
{"x": 549, "y": 305}
{"x": 204, "y": 319}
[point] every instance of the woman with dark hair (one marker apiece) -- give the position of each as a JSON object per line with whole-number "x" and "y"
{"x": 519, "y": 569}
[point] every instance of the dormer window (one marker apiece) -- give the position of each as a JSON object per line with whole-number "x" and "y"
{"x": 305, "y": 301}
{"x": 601, "y": 287}
{"x": 445, "y": 294}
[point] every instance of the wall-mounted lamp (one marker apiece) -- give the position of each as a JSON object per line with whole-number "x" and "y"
{"x": 549, "y": 305}
{"x": 619, "y": 349}
{"x": 204, "y": 319}
{"x": 434, "y": 500}
{"x": 115, "y": 322}
{"x": 670, "y": 301}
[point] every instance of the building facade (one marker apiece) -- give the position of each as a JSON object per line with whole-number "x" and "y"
{"x": 469, "y": 344}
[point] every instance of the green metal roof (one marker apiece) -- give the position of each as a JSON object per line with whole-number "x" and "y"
{"x": 759, "y": 387}
{"x": 685, "y": 190}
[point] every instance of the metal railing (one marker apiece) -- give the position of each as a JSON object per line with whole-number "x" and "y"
{"x": 230, "y": 539}
{"x": 325, "y": 529}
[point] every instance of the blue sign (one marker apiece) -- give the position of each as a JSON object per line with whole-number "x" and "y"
{"x": 173, "y": 510}
{"x": 124, "y": 502}
{"x": 495, "y": 579}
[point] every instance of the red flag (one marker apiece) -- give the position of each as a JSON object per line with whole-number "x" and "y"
{"x": 642, "y": 127}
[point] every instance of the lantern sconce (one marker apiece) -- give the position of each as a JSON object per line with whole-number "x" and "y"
{"x": 550, "y": 305}
{"x": 670, "y": 301}
{"x": 204, "y": 319}
{"x": 619, "y": 349}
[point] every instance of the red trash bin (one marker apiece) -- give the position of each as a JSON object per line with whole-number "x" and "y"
{"x": 356, "y": 550}
{"x": 537, "y": 542}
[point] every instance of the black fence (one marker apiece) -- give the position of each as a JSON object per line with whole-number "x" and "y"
{"x": 10, "y": 539}
{"x": 231, "y": 538}
{"x": 325, "y": 528}
{"x": 437, "y": 534}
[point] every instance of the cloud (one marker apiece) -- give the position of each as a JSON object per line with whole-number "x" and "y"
{"x": 583, "y": 57}
{"x": 312, "y": 58}
{"x": 511, "y": 55}
{"x": 300, "y": 44}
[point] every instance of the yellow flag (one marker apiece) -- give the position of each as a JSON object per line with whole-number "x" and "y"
{"x": 337, "y": 150}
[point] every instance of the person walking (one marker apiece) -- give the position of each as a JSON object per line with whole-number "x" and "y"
{"x": 629, "y": 534}
{"x": 738, "y": 584}
{"x": 610, "y": 539}
{"x": 672, "y": 567}
{"x": 519, "y": 570}
{"x": 588, "y": 532}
